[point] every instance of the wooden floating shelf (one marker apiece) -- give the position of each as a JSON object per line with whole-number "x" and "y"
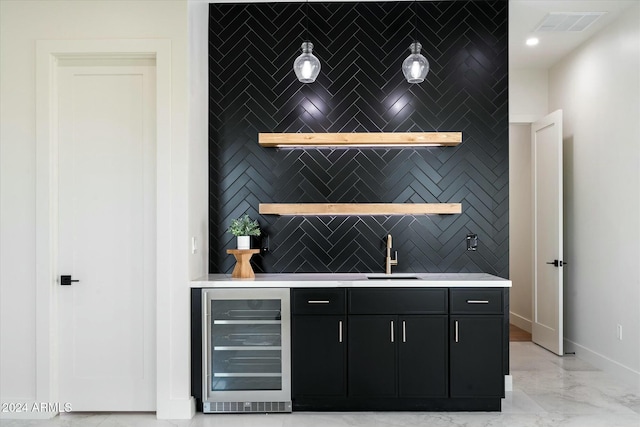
{"x": 362, "y": 139}
{"x": 360, "y": 208}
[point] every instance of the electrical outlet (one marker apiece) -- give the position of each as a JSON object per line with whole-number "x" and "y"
{"x": 619, "y": 332}
{"x": 472, "y": 242}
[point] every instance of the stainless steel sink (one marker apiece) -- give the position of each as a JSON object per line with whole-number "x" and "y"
{"x": 392, "y": 276}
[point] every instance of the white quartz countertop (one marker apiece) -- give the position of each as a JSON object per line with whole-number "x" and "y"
{"x": 347, "y": 280}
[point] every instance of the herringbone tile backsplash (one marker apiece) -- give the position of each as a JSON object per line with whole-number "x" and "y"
{"x": 361, "y": 46}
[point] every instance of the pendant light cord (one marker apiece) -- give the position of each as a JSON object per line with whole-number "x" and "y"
{"x": 415, "y": 22}
{"x": 306, "y": 24}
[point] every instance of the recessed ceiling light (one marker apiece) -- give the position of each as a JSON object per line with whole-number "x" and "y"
{"x": 532, "y": 41}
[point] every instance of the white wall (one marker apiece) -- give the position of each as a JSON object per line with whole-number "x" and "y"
{"x": 520, "y": 226}
{"x": 598, "y": 88}
{"x": 198, "y": 34}
{"x": 527, "y": 95}
{"x": 21, "y": 24}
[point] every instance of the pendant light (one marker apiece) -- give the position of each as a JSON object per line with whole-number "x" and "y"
{"x": 415, "y": 67}
{"x": 307, "y": 65}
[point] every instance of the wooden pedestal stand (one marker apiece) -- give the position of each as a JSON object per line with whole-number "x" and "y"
{"x": 243, "y": 268}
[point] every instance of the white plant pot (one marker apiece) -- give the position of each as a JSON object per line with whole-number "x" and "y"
{"x": 244, "y": 242}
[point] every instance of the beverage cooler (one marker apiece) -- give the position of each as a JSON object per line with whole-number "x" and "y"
{"x": 246, "y": 351}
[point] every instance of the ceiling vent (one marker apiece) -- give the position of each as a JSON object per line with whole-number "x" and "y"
{"x": 559, "y": 22}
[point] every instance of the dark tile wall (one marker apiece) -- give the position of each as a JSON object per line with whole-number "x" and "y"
{"x": 361, "y": 88}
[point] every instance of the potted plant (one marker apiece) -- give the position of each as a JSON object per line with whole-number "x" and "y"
{"x": 243, "y": 228}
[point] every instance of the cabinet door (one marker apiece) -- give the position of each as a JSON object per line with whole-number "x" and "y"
{"x": 476, "y": 356}
{"x": 423, "y": 356}
{"x": 372, "y": 356}
{"x": 318, "y": 356}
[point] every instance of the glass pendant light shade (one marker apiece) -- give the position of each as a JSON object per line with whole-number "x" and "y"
{"x": 415, "y": 67}
{"x": 306, "y": 66}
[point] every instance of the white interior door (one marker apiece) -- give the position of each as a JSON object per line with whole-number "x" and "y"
{"x": 546, "y": 142}
{"x": 106, "y": 235}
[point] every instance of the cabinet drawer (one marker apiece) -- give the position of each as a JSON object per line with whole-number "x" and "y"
{"x": 483, "y": 301}
{"x": 318, "y": 301}
{"x": 398, "y": 301}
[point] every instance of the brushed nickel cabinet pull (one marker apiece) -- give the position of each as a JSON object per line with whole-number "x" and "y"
{"x": 312, "y": 301}
{"x": 339, "y": 330}
{"x": 477, "y": 301}
{"x": 404, "y": 331}
{"x": 456, "y": 331}
{"x": 392, "y": 338}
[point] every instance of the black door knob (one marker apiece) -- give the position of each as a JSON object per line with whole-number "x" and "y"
{"x": 557, "y": 263}
{"x": 67, "y": 280}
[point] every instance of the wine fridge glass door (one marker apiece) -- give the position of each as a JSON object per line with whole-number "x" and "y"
{"x": 247, "y": 345}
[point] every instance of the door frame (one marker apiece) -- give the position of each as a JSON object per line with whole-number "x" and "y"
{"x": 48, "y": 53}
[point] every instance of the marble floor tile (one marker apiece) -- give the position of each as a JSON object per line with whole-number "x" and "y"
{"x": 141, "y": 420}
{"x": 519, "y": 402}
{"x": 549, "y": 391}
{"x": 526, "y": 356}
{"x": 570, "y": 362}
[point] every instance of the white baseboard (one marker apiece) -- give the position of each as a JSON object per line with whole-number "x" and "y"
{"x": 618, "y": 370}
{"x": 508, "y": 383}
{"x": 519, "y": 321}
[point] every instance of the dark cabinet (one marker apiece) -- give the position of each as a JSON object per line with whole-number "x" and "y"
{"x": 398, "y": 356}
{"x": 403, "y": 354}
{"x": 318, "y": 356}
{"x": 422, "y": 356}
{"x": 476, "y": 356}
{"x": 398, "y": 301}
{"x": 318, "y": 347}
{"x": 476, "y": 344}
{"x": 398, "y": 348}
{"x": 372, "y": 356}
